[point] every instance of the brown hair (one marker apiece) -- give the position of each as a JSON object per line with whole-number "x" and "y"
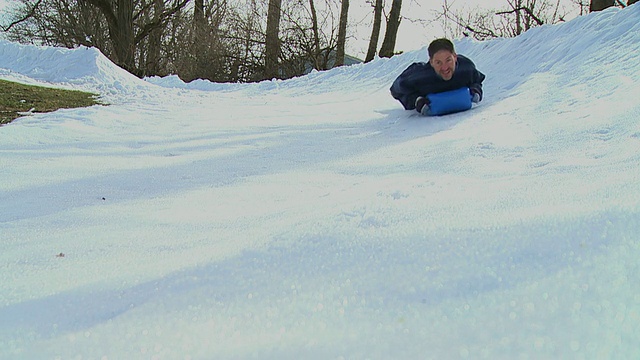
{"x": 440, "y": 44}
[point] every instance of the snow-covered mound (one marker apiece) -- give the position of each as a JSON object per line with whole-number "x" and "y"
{"x": 313, "y": 218}
{"x": 82, "y": 68}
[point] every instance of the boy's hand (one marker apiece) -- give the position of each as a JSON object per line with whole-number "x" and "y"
{"x": 422, "y": 103}
{"x": 475, "y": 96}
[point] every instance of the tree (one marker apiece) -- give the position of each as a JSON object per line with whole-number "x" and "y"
{"x": 520, "y": 16}
{"x": 583, "y": 5}
{"x": 200, "y": 27}
{"x": 119, "y": 16}
{"x": 272, "y": 41}
{"x": 375, "y": 31}
{"x": 30, "y": 11}
{"x": 524, "y": 15}
{"x": 316, "y": 35}
{"x": 150, "y": 62}
{"x": 309, "y": 36}
{"x": 59, "y": 23}
{"x": 599, "y": 5}
{"x": 116, "y": 27}
{"x": 199, "y": 21}
{"x": 393, "y": 23}
{"x": 342, "y": 33}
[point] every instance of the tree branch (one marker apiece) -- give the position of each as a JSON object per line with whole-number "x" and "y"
{"x": 30, "y": 14}
{"x": 525, "y": 9}
{"x": 106, "y": 10}
{"x": 487, "y": 33}
{"x": 147, "y": 28}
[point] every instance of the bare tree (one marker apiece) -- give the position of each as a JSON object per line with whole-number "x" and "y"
{"x": 30, "y": 11}
{"x": 316, "y": 35}
{"x": 151, "y": 47}
{"x": 249, "y": 60}
{"x": 375, "y": 31}
{"x": 310, "y": 32}
{"x": 583, "y": 5}
{"x": 393, "y": 24}
{"x": 199, "y": 47}
{"x": 57, "y": 23}
{"x": 119, "y": 15}
{"x": 520, "y": 16}
{"x": 272, "y": 41}
{"x": 199, "y": 22}
{"x": 342, "y": 33}
{"x": 599, "y": 5}
{"x": 523, "y": 13}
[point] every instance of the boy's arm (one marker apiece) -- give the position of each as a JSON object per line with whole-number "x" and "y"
{"x": 476, "y": 85}
{"x": 403, "y": 91}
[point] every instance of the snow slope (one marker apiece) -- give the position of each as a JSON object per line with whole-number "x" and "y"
{"x": 314, "y": 218}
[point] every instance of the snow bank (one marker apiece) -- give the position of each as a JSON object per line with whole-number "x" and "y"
{"x": 80, "y": 68}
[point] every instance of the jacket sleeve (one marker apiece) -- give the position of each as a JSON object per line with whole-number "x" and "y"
{"x": 402, "y": 89}
{"x": 476, "y": 82}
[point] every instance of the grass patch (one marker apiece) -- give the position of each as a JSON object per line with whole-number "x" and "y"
{"x": 15, "y": 98}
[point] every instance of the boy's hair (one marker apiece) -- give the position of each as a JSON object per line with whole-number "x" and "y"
{"x": 440, "y": 44}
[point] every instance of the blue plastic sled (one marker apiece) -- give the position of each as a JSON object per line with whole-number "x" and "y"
{"x": 449, "y": 102}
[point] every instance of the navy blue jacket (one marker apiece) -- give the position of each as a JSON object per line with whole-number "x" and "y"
{"x": 420, "y": 79}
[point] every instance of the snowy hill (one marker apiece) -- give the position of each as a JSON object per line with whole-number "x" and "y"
{"x": 313, "y": 218}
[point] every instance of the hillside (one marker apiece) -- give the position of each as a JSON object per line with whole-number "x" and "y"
{"x": 313, "y": 218}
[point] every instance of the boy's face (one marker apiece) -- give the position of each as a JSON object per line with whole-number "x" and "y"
{"x": 444, "y": 63}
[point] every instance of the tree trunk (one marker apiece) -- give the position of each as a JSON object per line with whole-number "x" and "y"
{"x": 152, "y": 64}
{"x": 518, "y": 18}
{"x": 375, "y": 31}
{"x": 393, "y": 23}
{"x": 316, "y": 36}
{"x": 598, "y": 5}
{"x": 342, "y": 34}
{"x": 272, "y": 42}
{"x": 198, "y": 19}
{"x": 124, "y": 46}
{"x": 199, "y": 40}
{"x": 119, "y": 16}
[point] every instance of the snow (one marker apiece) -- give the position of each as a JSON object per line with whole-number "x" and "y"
{"x": 313, "y": 218}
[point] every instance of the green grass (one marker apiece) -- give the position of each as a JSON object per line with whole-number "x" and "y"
{"x": 15, "y": 98}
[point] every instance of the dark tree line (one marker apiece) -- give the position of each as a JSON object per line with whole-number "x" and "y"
{"x": 219, "y": 40}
